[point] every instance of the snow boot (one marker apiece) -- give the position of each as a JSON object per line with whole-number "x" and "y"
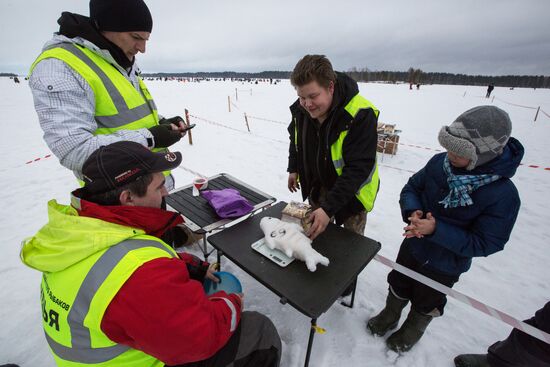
{"x": 388, "y": 318}
{"x": 471, "y": 360}
{"x": 410, "y": 332}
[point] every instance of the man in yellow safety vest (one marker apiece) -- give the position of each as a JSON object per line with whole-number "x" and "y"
{"x": 87, "y": 87}
{"x": 114, "y": 294}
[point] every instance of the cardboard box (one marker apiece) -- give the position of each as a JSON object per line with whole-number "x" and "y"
{"x": 387, "y": 143}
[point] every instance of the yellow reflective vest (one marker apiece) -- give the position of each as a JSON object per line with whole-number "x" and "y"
{"x": 78, "y": 288}
{"x": 368, "y": 190}
{"x": 118, "y": 104}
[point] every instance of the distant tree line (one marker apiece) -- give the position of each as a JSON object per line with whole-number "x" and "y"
{"x": 11, "y": 75}
{"x": 417, "y": 76}
{"x": 412, "y": 76}
{"x": 223, "y": 74}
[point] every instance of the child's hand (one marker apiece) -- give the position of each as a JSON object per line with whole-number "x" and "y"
{"x": 411, "y": 230}
{"x": 417, "y": 214}
{"x": 424, "y": 227}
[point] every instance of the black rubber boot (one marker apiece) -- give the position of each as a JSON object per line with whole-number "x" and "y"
{"x": 410, "y": 332}
{"x": 471, "y": 360}
{"x": 388, "y": 318}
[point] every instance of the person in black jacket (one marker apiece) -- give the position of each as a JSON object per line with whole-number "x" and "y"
{"x": 518, "y": 350}
{"x": 332, "y": 153}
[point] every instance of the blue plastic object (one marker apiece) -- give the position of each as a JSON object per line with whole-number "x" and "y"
{"x": 228, "y": 283}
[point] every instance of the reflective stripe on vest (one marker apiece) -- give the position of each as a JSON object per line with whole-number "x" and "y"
{"x": 82, "y": 349}
{"x": 367, "y": 191}
{"x": 118, "y": 104}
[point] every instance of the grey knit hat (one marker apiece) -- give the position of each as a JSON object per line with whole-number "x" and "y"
{"x": 479, "y": 134}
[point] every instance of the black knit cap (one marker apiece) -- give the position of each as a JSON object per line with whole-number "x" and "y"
{"x": 120, "y": 163}
{"x": 121, "y": 15}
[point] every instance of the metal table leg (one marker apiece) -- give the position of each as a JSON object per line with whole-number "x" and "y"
{"x": 350, "y": 305}
{"x": 310, "y": 342}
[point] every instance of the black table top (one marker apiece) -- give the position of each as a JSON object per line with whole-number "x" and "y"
{"x": 311, "y": 293}
{"x": 199, "y": 215}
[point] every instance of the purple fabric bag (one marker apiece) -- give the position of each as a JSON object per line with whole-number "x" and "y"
{"x": 228, "y": 203}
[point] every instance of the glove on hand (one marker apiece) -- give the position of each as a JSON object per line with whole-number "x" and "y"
{"x": 172, "y": 120}
{"x": 164, "y": 136}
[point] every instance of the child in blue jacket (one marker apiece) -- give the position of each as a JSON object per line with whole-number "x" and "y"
{"x": 462, "y": 204}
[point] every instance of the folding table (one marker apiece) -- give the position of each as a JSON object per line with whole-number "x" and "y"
{"x": 311, "y": 293}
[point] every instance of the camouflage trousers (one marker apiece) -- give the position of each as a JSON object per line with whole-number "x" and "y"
{"x": 356, "y": 223}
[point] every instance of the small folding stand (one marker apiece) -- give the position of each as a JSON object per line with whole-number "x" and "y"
{"x": 199, "y": 216}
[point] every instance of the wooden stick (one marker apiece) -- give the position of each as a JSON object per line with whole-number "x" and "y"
{"x": 246, "y": 120}
{"x": 188, "y": 121}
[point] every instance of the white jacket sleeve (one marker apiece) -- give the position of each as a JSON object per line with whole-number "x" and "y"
{"x": 65, "y": 105}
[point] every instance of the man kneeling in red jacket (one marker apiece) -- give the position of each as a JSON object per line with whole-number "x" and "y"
{"x": 114, "y": 294}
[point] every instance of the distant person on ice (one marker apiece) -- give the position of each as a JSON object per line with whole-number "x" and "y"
{"x": 489, "y": 90}
{"x": 462, "y": 204}
{"x": 114, "y": 294}
{"x": 87, "y": 89}
{"x": 518, "y": 350}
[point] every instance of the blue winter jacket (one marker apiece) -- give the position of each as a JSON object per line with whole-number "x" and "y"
{"x": 461, "y": 233}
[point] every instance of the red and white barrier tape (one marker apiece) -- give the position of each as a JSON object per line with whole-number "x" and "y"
{"x": 268, "y": 120}
{"x": 39, "y": 159}
{"x": 218, "y": 124}
{"x": 480, "y": 306}
{"x": 439, "y": 150}
{"x": 284, "y": 142}
{"x": 241, "y": 131}
{"x": 420, "y": 147}
{"x": 535, "y": 166}
{"x": 196, "y": 174}
{"x": 396, "y": 168}
{"x": 517, "y": 105}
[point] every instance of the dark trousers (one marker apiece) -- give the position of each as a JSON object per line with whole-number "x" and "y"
{"x": 520, "y": 349}
{"x": 423, "y": 299}
{"x": 254, "y": 343}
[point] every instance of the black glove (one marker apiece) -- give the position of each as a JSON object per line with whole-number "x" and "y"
{"x": 164, "y": 136}
{"x": 172, "y": 120}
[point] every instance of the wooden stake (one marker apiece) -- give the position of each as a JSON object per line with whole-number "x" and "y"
{"x": 246, "y": 120}
{"x": 188, "y": 121}
{"x": 236, "y": 95}
{"x": 537, "y": 114}
{"x": 229, "y": 103}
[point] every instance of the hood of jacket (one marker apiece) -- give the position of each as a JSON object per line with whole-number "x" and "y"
{"x": 68, "y": 238}
{"x": 505, "y": 165}
{"x": 76, "y": 28}
{"x": 77, "y": 231}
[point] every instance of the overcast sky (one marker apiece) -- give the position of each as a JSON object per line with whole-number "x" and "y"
{"x": 490, "y": 37}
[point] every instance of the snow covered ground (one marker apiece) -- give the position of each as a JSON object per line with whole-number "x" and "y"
{"x": 514, "y": 280}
